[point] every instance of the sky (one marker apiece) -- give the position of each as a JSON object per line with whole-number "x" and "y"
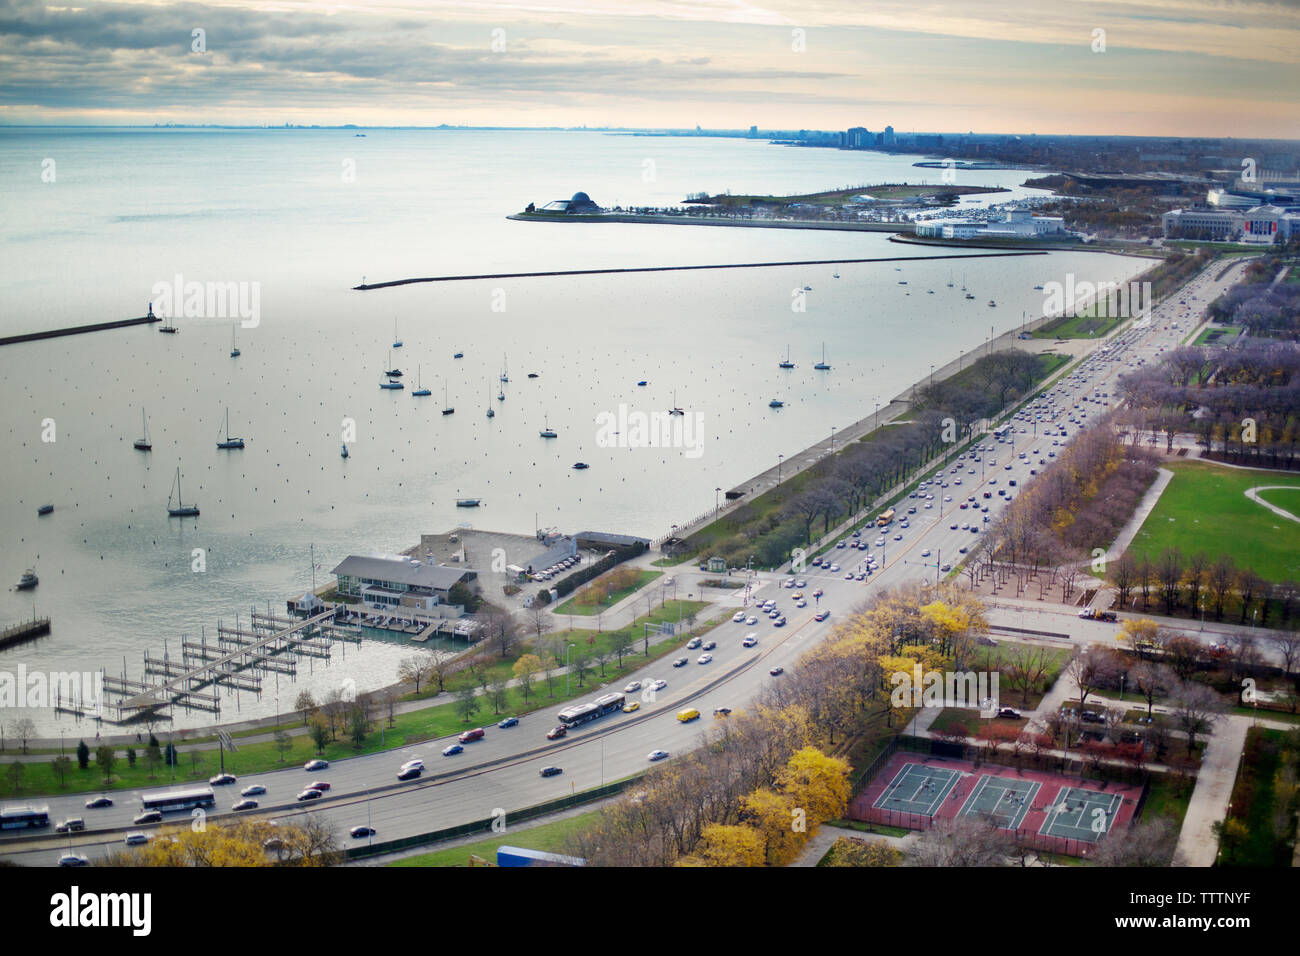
{"x": 1140, "y": 67}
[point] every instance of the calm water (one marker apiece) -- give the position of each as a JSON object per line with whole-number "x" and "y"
{"x": 129, "y": 209}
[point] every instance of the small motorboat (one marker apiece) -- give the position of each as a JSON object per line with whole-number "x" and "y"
{"x": 468, "y": 502}
{"x": 581, "y": 465}
{"x": 28, "y": 581}
{"x": 391, "y": 384}
{"x": 992, "y": 304}
{"x": 776, "y": 403}
{"x": 533, "y": 375}
{"x": 344, "y": 452}
{"x": 44, "y": 509}
{"x": 643, "y": 383}
{"x": 459, "y": 355}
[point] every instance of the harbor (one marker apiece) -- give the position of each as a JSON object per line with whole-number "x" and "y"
{"x": 24, "y": 631}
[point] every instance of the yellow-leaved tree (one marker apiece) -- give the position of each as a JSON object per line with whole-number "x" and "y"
{"x": 816, "y": 783}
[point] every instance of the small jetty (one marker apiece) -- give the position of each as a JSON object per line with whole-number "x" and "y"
{"x": 79, "y": 329}
{"x": 24, "y": 631}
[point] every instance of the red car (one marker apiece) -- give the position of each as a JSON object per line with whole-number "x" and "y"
{"x": 320, "y": 785}
{"x": 555, "y": 733}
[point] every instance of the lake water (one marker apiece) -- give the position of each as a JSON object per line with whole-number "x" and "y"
{"x": 306, "y": 215}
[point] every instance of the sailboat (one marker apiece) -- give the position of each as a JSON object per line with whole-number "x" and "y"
{"x": 505, "y": 372}
{"x": 787, "y": 363}
{"x": 446, "y": 404}
{"x": 822, "y": 366}
{"x": 234, "y": 349}
{"x": 949, "y": 280}
{"x": 835, "y": 275}
{"x": 181, "y": 510}
{"x": 490, "y": 412}
{"x": 548, "y": 431}
{"x": 393, "y": 372}
{"x": 170, "y": 329}
{"x": 420, "y": 391}
{"x": 963, "y": 282}
{"x": 230, "y": 442}
{"x": 675, "y": 410}
{"x": 344, "y": 452}
{"x": 143, "y": 444}
{"x": 397, "y": 343}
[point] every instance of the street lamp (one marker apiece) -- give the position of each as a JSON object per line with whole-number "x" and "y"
{"x": 931, "y": 376}
{"x": 779, "y": 459}
{"x": 832, "y": 439}
{"x": 716, "y": 493}
{"x": 566, "y": 669}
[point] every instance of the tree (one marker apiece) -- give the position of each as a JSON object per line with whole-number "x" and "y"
{"x": 24, "y": 730}
{"x": 1232, "y": 833}
{"x": 466, "y": 702}
{"x": 851, "y": 851}
{"x": 306, "y": 704}
{"x": 283, "y": 743}
{"x": 83, "y": 755}
{"x": 737, "y": 845}
{"x": 358, "y": 727}
{"x": 1184, "y": 655}
{"x": 960, "y": 841}
{"x": 525, "y": 670}
{"x": 153, "y": 756}
{"x": 620, "y": 642}
{"x": 1093, "y": 668}
{"x": 320, "y": 732}
{"x": 1288, "y": 645}
{"x": 105, "y": 759}
{"x": 1195, "y": 708}
{"x": 580, "y": 664}
{"x": 1026, "y": 666}
{"x": 1150, "y": 679}
{"x": 498, "y": 694}
{"x": 413, "y": 670}
{"x": 14, "y": 773}
{"x": 772, "y": 814}
{"x": 1140, "y": 634}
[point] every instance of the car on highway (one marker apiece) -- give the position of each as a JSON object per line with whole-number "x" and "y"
{"x": 550, "y": 771}
{"x": 149, "y": 816}
{"x": 410, "y": 773}
{"x": 633, "y": 687}
{"x": 136, "y": 839}
{"x": 801, "y": 584}
{"x": 221, "y": 780}
{"x": 70, "y": 825}
{"x": 680, "y": 662}
{"x": 631, "y": 707}
{"x": 244, "y": 805}
{"x": 255, "y": 790}
{"x": 751, "y": 621}
{"x": 777, "y": 671}
{"x": 360, "y": 833}
{"x": 320, "y": 785}
{"x": 738, "y": 617}
{"x": 779, "y": 622}
{"x": 99, "y": 803}
{"x": 555, "y": 733}
{"x": 704, "y": 659}
{"x": 818, "y": 593}
{"x": 452, "y": 750}
{"x": 659, "y": 684}
{"x": 801, "y": 603}
{"x": 658, "y": 755}
{"x": 821, "y": 615}
{"x": 693, "y": 643}
{"x": 309, "y": 794}
{"x": 508, "y": 722}
{"x": 415, "y": 762}
{"x": 316, "y": 765}
{"x": 710, "y": 645}
{"x": 925, "y": 553}
{"x": 721, "y": 711}
{"x": 749, "y": 641}
{"x": 469, "y": 736}
{"x": 73, "y": 859}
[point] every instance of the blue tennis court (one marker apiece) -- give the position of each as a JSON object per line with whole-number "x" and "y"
{"x": 1079, "y": 814}
{"x": 1006, "y": 800}
{"x": 918, "y": 789}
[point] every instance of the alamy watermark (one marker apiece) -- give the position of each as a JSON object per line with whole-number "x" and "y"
{"x": 1102, "y": 299}
{"x": 43, "y": 689}
{"x": 627, "y": 428}
{"x": 968, "y": 690}
{"x": 208, "y": 300}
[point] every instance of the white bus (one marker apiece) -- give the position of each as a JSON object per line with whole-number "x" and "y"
{"x": 20, "y": 817}
{"x": 166, "y": 801}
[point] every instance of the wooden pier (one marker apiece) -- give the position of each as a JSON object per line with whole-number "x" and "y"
{"x": 24, "y": 631}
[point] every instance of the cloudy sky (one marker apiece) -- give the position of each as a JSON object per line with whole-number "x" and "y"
{"x": 1147, "y": 67}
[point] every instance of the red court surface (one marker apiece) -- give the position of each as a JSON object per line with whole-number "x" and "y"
{"x": 1046, "y": 810}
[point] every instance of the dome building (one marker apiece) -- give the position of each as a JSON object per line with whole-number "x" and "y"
{"x": 580, "y": 204}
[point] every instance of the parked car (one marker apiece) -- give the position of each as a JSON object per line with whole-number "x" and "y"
{"x": 1009, "y": 712}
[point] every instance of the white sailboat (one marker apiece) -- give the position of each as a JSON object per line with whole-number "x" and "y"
{"x": 143, "y": 444}
{"x": 181, "y": 510}
{"x": 822, "y": 366}
{"x": 490, "y": 412}
{"x": 234, "y": 349}
{"x": 548, "y": 431}
{"x": 230, "y": 442}
{"x": 419, "y": 391}
{"x": 446, "y": 402}
{"x": 397, "y": 343}
{"x": 675, "y": 410}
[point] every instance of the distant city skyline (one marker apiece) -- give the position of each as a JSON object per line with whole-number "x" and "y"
{"x": 1187, "y": 68}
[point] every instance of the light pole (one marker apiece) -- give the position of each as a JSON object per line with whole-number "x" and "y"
{"x": 875, "y": 417}
{"x": 832, "y": 439}
{"x": 932, "y": 376}
{"x": 566, "y": 669}
{"x": 716, "y": 493}
{"x": 779, "y": 459}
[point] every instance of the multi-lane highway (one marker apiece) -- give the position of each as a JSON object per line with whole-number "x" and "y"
{"x": 501, "y": 771}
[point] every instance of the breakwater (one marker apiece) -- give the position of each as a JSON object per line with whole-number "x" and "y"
{"x": 78, "y": 330}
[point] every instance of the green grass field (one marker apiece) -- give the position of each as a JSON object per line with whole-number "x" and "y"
{"x": 1205, "y": 509}
{"x": 1216, "y": 335}
{"x": 1287, "y": 499}
{"x": 571, "y": 606}
{"x": 547, "y": 837}
{"x": 1084, "y": 326}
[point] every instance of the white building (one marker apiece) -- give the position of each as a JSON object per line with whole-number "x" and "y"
{"x": 1019, "y": 224}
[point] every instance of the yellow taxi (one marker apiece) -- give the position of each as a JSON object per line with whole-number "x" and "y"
{"x": 797, "y": 595}
{"x": 632, "y": 707}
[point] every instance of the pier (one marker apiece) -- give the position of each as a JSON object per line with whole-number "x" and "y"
{"x": 24, "y": 631}
{"x": 78, "y": 330}
{"x": 368, "y": 286}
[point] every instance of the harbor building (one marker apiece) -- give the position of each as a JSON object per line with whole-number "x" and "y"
{"x": 386, "y": 583}
{"x": 1018, "y": 224}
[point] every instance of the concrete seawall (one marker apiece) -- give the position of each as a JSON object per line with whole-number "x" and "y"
{"x": 78, "y": 330}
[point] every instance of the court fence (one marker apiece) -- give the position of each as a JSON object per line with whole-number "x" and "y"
{"x": 1025, "y": 839}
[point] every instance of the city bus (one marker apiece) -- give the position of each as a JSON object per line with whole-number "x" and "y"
{"x": 1002, "y": 432}
{"x": 20, "y": 817}
{"x": 573, "y": 716}
{"x": 885, "y": 518}
{"x": 167, "y": 801}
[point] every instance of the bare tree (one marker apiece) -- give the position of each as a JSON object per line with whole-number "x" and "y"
{"x": 961, "y": 841}
{"x": 1195, "y": 709}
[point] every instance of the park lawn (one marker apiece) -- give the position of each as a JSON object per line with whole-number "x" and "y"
{"x": 1205, "y": 509}
{"x": 986, "y": 658}
{"x": 1085, "y": 326}
{"x": 547, "y": 838}
{"x": 571, "y": 606}
{"x": 1287, "y": 499}
{"x": 1254, "y": 799}
{"x": 1212, "y": 335}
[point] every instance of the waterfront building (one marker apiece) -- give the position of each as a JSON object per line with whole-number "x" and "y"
{"x": 580, "y": 203}
{"x": 394, "y": 582}
{"x": 1270, "y": 224}
{"x": 1199, "y": 223}
{"x": 1018, "y": 224}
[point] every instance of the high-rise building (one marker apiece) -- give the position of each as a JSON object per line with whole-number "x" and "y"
{"x": 889, "y": 136}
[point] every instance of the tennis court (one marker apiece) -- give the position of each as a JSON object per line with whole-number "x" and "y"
{"x": 917, "y": 788}
{"x": 1080, "y": 814}
{"x": 1005, "y": 799}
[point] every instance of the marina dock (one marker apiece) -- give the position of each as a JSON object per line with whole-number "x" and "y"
{"x": 24, "y": 631}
